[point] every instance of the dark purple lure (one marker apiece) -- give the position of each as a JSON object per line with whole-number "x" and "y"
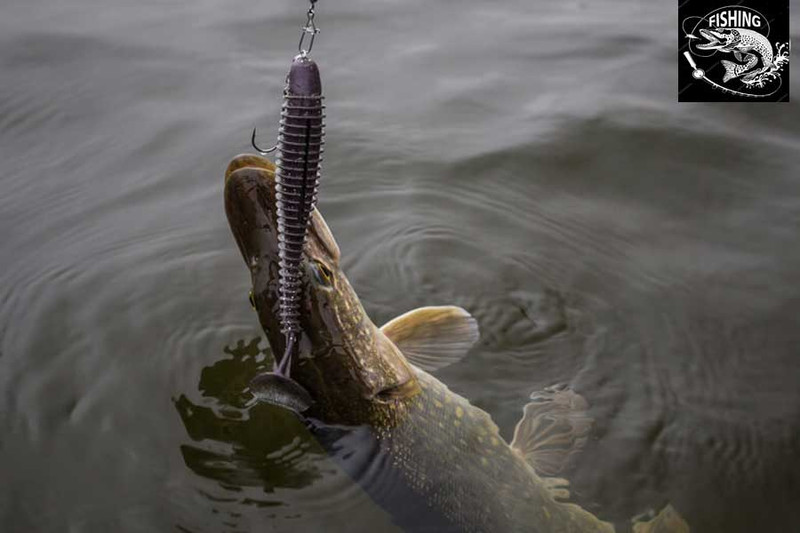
{"x": 300, "y": 140}
{"x": 300, "y": 147}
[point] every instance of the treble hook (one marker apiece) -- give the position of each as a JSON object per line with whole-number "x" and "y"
{"x": 259, "y": 150}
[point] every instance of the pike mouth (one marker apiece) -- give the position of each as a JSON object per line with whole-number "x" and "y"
{"x": 716, "y": 41}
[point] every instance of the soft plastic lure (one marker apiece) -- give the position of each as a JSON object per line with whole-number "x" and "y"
{"x": 298, "y": 171}
{"x": 299, "y": 155}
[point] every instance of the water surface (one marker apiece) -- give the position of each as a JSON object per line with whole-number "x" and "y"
{"x": 525, "y": 160}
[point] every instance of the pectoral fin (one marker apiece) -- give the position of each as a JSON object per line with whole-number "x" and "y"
{"x": 433, "y": 337}
{"x": 738, "y": 56}
{"x": 279, "y": 390}
{"x": 553, "y": 430}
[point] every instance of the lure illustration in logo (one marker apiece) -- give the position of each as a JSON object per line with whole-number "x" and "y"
{"x": 733, "y": 53}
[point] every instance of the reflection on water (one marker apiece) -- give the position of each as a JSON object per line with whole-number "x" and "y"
{"x": 241, "y": 445}
{"x": 261, "y": 457}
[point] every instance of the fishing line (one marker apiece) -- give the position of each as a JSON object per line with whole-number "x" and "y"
{"x": 700, "y": 74}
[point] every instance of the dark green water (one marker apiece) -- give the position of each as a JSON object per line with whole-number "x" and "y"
{"x": 527, "y": 161}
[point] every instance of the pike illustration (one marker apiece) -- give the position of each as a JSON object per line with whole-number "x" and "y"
{"x": 433, "y": 460}
{"x": 749, "y": 47}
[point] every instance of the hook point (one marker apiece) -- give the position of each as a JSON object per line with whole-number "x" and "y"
{"x": 259, "y": 150}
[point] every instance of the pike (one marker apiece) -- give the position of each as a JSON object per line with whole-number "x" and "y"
{"x": 747, "y": 45}
{"x": 424, "y": 453}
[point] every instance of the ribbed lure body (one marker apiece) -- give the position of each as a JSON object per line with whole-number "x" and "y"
{"x": 300, "y": 147}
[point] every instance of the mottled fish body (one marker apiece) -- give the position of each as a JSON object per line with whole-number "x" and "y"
{"x": 441, "y": 465}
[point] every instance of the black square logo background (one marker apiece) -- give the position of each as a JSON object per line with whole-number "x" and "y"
{"x": 700, "y": 90}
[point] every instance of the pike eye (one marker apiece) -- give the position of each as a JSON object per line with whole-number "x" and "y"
{"x": 322, "y": 274}
{"x": 252, "y": 299}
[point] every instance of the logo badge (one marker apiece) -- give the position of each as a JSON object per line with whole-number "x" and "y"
{"x": 733, "y": 53}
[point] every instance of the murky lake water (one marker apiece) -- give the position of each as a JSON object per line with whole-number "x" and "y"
{"x": 527, "y": 161}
